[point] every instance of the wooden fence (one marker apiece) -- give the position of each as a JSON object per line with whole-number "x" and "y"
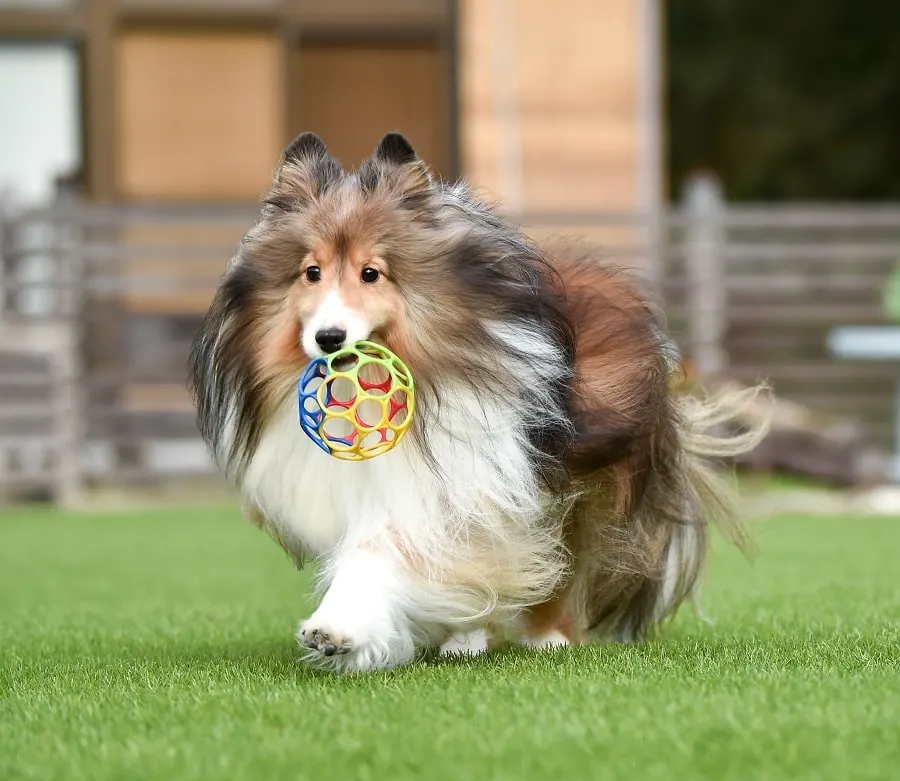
{"x": 98, "y": 306}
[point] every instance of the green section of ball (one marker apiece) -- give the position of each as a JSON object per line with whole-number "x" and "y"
{"x": 349, "y": 361}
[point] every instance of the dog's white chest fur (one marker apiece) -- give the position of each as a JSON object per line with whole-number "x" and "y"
{"x": 312, "y": 496}
{"x": 482, "y": 469}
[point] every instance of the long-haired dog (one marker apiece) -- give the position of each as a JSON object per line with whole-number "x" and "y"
{"x": 553, "y": 489}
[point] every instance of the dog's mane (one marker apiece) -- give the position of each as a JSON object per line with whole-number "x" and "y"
{"x": 483, "y": 304}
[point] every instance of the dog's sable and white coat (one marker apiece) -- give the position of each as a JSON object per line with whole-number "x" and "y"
{"x": 552, "y": 489}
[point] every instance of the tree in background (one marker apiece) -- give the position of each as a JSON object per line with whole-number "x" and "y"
{"x": 794, "y": 99}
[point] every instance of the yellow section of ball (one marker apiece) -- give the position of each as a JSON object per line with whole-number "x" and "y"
{"x": 367, "y": 398}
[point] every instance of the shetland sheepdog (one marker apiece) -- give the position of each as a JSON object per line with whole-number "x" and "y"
{"x": 554, "y": 487}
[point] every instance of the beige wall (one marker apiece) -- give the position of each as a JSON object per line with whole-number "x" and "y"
{"x": 352, "y": 94}
{"x": 199, "y": 116}
{"x": 569, "y": 70}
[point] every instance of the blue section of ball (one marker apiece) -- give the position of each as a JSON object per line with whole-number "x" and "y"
{"x": 311, "y": 412}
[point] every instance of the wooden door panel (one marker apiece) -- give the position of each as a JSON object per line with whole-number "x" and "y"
{"x": 199, "y": 115}
{"x": 351, "y": 94}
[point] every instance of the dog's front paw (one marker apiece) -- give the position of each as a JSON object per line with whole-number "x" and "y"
{"x": 348, "y": 646}
{"x": 321, "y": 641}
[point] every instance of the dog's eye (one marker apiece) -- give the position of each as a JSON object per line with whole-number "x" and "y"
{"x": 313, "y": 274}
{"x": 370, "y": 275}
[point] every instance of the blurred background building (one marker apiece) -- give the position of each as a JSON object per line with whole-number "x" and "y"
{"x": 742, "y": 155}
{"x": 171, "y": 101}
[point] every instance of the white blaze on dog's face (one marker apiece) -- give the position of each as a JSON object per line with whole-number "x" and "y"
{"x": 345, "y": 294}
{"x": 333, "y": 325}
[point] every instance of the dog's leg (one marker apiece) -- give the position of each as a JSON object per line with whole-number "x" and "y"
{"x": 551, "y": 624}
{"x": 550, "y": 639}
{"x": 362, "y": 622}
{"x": 466, "y": 643}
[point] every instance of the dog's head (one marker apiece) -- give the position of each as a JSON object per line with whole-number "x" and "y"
{"x": 333, "y": 249}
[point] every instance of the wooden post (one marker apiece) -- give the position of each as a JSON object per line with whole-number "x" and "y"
{"x": 706, "y": 296}
{"x": 100, "y": 109}
{"x": 67, "y": 386}
{"x": 4, "y": 454}
{"x": 2, "y": 260}
{"x": 650, "y": 137}
{"x": 7, "y": 277}
{"x": 505, "y": 90}
{"x": 67, "y": 406}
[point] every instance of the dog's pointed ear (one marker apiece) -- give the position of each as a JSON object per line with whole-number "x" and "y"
{"x": 305, "y": 171}
{"x": 396, "y": 163}
{"x": 304, "y": 145}
{"x": 394, "y": 148}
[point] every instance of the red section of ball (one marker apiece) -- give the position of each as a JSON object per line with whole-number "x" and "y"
{"x": 396, "y": 406}
{"x": 384, "y": 387}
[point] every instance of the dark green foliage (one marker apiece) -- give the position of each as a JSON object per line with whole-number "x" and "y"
{"x": 795, "y": 99}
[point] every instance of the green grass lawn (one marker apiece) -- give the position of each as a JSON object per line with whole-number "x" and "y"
{"x": 160, "y": 645}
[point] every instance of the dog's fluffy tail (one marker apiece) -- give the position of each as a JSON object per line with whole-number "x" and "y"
{"x": 710, "y": 430}
{"x": 653, "y": 561}
{"x": 689, "y": 493}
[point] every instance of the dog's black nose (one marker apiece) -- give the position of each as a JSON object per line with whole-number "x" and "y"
{"x": 331, "y": 339}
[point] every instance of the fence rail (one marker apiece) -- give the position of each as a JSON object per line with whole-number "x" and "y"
{"x": 98, "y": 306}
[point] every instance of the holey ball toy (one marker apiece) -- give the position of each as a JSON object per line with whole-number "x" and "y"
{"x": 356, "y": 403}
